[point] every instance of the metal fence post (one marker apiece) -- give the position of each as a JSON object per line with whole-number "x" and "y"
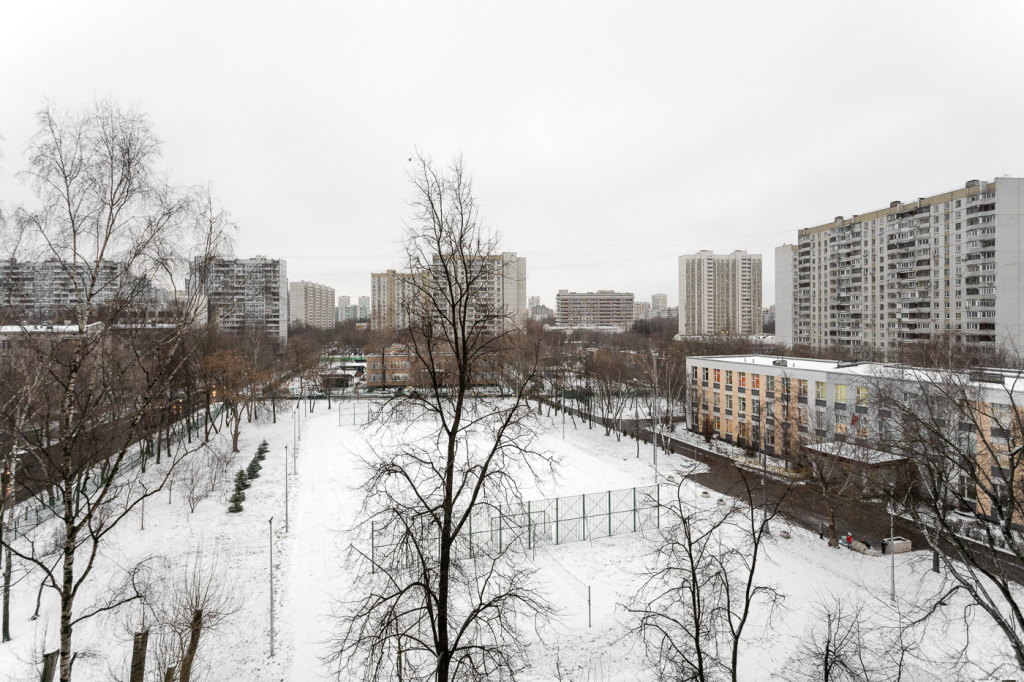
{"x": 584, "y": 516}
{"x": 609, "y": 513}
{"x": 657, "y": 509}
{"x": 529, "y": 527}
{"x": 556, "y": 520}
{"x": 634, "y": 509}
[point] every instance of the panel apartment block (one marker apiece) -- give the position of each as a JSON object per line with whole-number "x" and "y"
{"x": 311, "y": 304}
{"x": 720, "y": 294}
{"x": 603, "y": 308}
{"x": 945, "y": 264}
{"x": 245, "y": 293}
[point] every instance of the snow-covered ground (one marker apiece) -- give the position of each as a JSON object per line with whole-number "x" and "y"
{"x": 311, "y": 575}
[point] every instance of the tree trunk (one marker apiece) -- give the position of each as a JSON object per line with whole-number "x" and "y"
{"x": 138, "y": 669}
{"x": 49, "y": 666}
{"x": 7, "y": 591}
{"x": 193, "y": 644}
{"x": 169, "y": 674}
{"x": 67, "y": 595}
{"x": 833, "y": 541}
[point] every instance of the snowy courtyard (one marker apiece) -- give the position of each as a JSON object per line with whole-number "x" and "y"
{"x": 310, "y": 573}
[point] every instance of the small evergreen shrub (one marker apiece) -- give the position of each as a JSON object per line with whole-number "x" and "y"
{"x": 241, "y": 480}
{"x": 262, "y": 450}
{"x": 253, "y": 471}
{"x": 236, "y": 502}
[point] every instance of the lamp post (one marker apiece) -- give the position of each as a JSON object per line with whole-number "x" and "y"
{"x": 285, "y": 488}
{"x": 271, "y": 586}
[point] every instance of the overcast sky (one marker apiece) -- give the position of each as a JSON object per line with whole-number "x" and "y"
{"x": 604, "y": 139}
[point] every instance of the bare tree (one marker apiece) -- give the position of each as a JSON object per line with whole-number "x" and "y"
{"x": 115, "y": 230}
{"x": 963, "y": 431}
{"x": 437, "y": 600}
{"x": 701, "y": 584}
{"x": 192, "y": 478}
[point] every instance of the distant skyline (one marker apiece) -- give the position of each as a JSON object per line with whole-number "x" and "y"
{"x": 605, "y": 140}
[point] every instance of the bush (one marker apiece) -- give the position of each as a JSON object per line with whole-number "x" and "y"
{"x": 262, "y": 450}
{"x": 241, "y": 480}
{"x": 236, "y": 502}
{"x": 253, "y": 470}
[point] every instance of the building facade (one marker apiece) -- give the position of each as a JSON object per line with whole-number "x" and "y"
{"x": 720, "y": 294}
{"x": 311, "y": 304}
{"x": 52, "y": 290}
{"x": 659, "y": 302}
{"x": 777, "y": 405}
{"x": 951, "y": 263}
{"x": 391, "y": 296}
{"x": 246, "y": 293}
{"x": 601, "y": 309}
{"x": 641, "y": 310}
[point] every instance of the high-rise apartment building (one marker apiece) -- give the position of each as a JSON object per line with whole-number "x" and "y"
{"x": 720, "y": 294}
{"x": 499, "y": 291}
{"x": 641, "y": 310}
{"x": 311, "y": 304}
{"x": 391, "y": 295}
{"x": 951, "y": 263}
{"x": 50, "y": 290}
{"x": 246, "y": 293}
{"x": 659, "y": 302}
{"x": 603, "y": 308}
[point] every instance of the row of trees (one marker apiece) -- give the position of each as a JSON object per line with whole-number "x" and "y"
{"x": 103, "y": 412}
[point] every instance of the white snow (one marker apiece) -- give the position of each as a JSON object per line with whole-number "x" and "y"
{"x": 310, "y": 570}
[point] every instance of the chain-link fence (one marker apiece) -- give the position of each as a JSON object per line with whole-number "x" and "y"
{"x": 523, "y": 526}
{"x": 41, "y": 507}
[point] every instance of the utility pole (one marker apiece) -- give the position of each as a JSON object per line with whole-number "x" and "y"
{"x": 892, "y": 554}
{"x": 271, "y": 586}
{"x": 654, "y": 416}
{"x": 285, "y": 488}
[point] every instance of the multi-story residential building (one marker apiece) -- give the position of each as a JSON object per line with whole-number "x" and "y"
{"x": 720, "y": 294}
{"x": 540, "y": 312}
{"x": 641, "y": 310}
{"x": 311, "y": 304}
{"x": 51, "y": 289}
{"x": 659, "y": 302}
{"x": 664, "y": 312}
{"x": 601, "y": 309}
{"x": 768, "y": 315}
{"x": 391, "y": 296}
{"x": 950, "y": 263}
{"x": 363, "y": 311}
{"x": 246, "y": 293}
{"x": 499, "y": 290}
{"x": 343, "y": 303}
{"x": 778, "y": 405}
{"x": 534, "y": 302}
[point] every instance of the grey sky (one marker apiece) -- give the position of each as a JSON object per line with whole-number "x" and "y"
{"x": 604, "y": 139}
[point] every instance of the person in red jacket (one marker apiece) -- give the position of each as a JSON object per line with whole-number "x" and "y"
{"x": 849, "y": 540}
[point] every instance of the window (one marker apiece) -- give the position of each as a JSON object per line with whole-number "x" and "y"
{"x": 728, "y": 401}
{"x": 840, "y": 427}
{"x": 840, "y": 393}
{"x": 771, "y": 383}
{"x": 862, "y": 396}
{"x": 756, "y": 407}
{"x": 718, "y": 424}
{"x": 728, "y": 426}
{"x": 819, "y": 390}
{"x": 728, "y": 376}
{"x": 695, "y": 373}
{"x": 705, "y": 374}
{"x": 862, "y": 429}
{"x": 769, "y": 437}
{"x": 743, "y": 378}
{"x": 802, "y": 388}
{"x": 743, "y": 404}
{"x": 718, "y": 376}
{"x": 718, "y": 400}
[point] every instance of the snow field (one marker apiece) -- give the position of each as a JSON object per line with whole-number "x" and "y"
{"x": 311, "y": 573}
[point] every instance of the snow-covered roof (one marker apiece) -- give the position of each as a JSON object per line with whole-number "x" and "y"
{"x": 854, "y": 452}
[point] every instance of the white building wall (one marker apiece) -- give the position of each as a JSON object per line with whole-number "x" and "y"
{"x": 784, "y": 259}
